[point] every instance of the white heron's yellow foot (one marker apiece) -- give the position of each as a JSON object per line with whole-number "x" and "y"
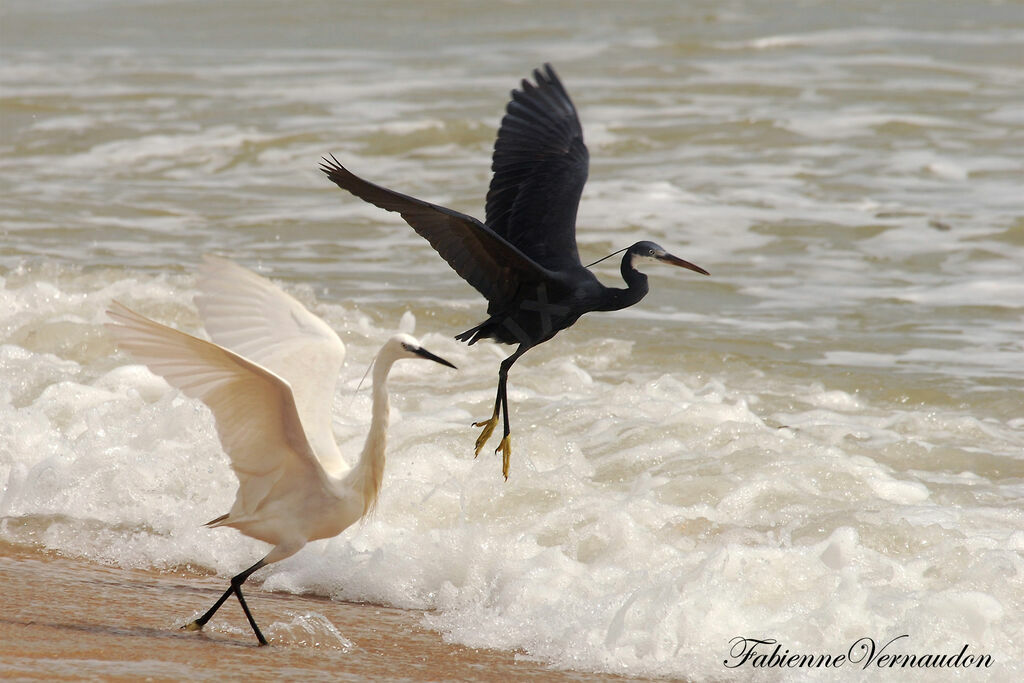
{"x": 192, "y": 626}
{"x": 488, "y": 426}
{"x": 506, "y": 453}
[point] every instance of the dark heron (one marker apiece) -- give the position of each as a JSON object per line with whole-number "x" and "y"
{"x": 523, "y": 257}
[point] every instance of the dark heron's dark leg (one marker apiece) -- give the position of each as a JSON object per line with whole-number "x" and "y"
{"x": 488, "y": 425}
{"x": 500, "y": 409}
{"x": 505, "y": 447}
{"x": 236, "y": 588}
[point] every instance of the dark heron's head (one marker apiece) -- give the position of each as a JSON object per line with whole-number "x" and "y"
{"x": 650, "y": 251}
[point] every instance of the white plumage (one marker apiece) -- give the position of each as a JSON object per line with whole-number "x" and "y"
{"x": 268, "y": 377}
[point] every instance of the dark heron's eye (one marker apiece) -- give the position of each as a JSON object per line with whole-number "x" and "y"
{"x": 650, "y": 252}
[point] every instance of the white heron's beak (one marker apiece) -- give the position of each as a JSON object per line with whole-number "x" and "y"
{"x": 423, "y": 353}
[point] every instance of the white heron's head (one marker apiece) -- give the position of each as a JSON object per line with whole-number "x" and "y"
{"x": 407, "y": 346}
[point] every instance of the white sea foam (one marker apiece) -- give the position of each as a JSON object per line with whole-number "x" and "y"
{"x": 649, "y": 518}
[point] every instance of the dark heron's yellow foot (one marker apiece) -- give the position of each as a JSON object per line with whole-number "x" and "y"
{"x": 192, "y": 626}
{"x": 506, "y": 453}
{"x": 488, "y": 426}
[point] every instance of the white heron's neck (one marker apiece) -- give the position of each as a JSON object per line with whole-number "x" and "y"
{"x": 369, "y": 471}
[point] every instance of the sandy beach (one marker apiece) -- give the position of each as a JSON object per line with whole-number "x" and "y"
{"x": 66, "y": 619}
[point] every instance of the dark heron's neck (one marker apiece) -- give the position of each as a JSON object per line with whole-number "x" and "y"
{"x": 636, "y": 288}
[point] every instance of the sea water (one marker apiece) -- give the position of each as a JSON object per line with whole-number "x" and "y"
{"x": 821, "y": 443}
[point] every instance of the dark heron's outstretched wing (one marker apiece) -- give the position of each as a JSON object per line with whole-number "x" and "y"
{"x": 483, "y": 259}
{"x": 540, "y": 166}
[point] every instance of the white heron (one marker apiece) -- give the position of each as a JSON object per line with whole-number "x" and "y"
{"x": 270, "y": 396}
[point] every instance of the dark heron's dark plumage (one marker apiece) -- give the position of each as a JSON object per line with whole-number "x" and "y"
{"x": 523, "y": 257}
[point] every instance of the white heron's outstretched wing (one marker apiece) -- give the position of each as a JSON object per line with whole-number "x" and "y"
{"x": 255, "y": 412}
{"x": 255, "y": 318}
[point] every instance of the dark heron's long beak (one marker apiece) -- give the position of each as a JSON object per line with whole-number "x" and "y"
{"x": 423, "y": 353}
{"x": 676, "y": 261}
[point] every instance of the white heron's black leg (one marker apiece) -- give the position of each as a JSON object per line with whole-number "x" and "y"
{"x": 236, "y": 588}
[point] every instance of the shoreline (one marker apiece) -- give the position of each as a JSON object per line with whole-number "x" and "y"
{"x": 69, "y": 619}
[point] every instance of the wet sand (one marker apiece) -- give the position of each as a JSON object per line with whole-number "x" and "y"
{"x": 64, "y": 619}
